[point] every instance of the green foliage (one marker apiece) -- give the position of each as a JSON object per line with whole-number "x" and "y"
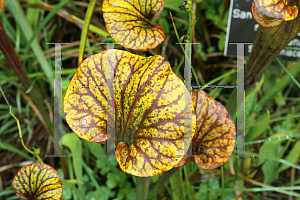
{"x": 165, "y": 24}
{"x": 212, "y": 183}
{"x": 74, "y": 144}
{"x": 172, "y": 4}
{"x": 271, "y": 148}
{"x": 255, "y": 131}
{"x": 105, "y": 194}
{"x": 216, "y": 17}
{"x": 221, "y": 42}
{"x": 291, "y": 157}
{"x": 287, "y": 126}
{"x": 200, "y": 52}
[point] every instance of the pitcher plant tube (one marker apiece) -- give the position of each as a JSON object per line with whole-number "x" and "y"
{"x": 280, "y": 23}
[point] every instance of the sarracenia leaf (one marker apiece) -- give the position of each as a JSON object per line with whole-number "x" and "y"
{"x": 268, "y": 43}
{"x": 38, "y": 181}
{"x": 215, "y": 131}
{"x": 278, "y": 9}
{"x": 129, "y": 23}
{"x": 214, "y": 138}
{"x": 149, "y": 110}
{"x": 85, "y": 101}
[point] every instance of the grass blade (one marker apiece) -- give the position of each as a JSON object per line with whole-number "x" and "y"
{"x": 285, "y": 80}
{"x": 11, "y": 148}
{"x": 288, "y": 73}
{"x": 85, "y": 29}
{"x": 19, "y": 16}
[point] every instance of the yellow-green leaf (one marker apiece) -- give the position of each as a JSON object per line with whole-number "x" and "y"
{"x": 214, "y": 138}
{"x": 214, "y": 134}
{"x": 149, "y": 110}
{"x": 38, "y": 181}
{"x": 85, "y": 101}
{"x": 129, "y": 22}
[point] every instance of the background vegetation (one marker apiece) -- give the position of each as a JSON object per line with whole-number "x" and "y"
{"x": 273, "y": 171}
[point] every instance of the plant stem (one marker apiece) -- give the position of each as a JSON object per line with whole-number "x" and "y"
{"x": 176, "y": 185}
{"x": 179, "y": 65}
{"x": 85, "y": 28}
{"x": 142, "y": 187}
{"x": 223, "y": 182}
{"x": 190, "y": 35}
{"x": 176, "y": 33}
{"x": 35, "y": 153}
{"x": 187, "y": 182}
{"x": 190, "y": 24}
{"x": 195, "y": 17}
{"x": 162, "y": 181}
